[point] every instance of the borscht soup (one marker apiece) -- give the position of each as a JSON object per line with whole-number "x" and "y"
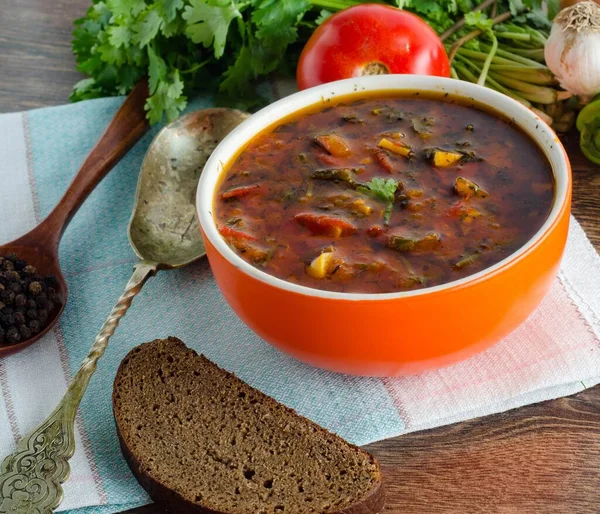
{"x": 383, "y": 193}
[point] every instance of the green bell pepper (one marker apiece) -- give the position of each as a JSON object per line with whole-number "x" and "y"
{"x": 588, "y": 124}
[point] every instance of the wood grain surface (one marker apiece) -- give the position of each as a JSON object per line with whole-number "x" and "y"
{"x": 543, "y": 458}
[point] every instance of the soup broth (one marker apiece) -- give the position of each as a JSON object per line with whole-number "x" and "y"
{"x": 384, "y": 194}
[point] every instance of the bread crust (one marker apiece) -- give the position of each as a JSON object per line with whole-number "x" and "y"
{"x": 173, "y": 502}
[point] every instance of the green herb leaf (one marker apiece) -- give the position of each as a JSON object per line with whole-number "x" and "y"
{"x": 168, "y": 99}
{"x": 323, "y": 15}
{"x": 119, "y": 35}
{"x": 277, "y": 19}
{"x": 169, "y": 8}
{"x": 380, "y": 188}
{"x": 147, "y": 27}
{"x": 479, "y": 20}
{"x": 157, "y": 70}
{"x": 126, "y": 8}
{"x": 383, "y": 190}
{"x": 111, "y": 54}
{"x": 209, "y": 24}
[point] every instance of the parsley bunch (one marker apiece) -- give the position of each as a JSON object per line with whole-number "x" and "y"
{"x": 222, "y": 47}
{"x": 183, "y": 46}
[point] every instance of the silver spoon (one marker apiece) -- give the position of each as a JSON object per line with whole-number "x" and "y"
{"x": 165, "y": 234}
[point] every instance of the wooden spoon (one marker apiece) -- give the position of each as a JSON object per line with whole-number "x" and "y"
{"x": 39, "y": 247}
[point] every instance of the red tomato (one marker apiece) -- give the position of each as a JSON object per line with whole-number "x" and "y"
{"x": 371, "y": 39}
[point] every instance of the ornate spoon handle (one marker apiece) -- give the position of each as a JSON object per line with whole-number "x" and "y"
{"x": 31, "y": 477}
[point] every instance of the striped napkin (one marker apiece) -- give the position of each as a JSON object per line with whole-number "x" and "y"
{"x": 555, "y": 353}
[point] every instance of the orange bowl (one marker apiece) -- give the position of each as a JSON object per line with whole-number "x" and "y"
{"x": 395, "y": 333}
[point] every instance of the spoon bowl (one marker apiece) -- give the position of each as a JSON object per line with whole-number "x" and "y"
{"x": 164, "y": 226}
{"x": 45, "y": 259}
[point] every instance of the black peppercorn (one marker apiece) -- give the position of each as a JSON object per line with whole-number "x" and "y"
{"x": 26, "y": 299}
{"x": 19, "y": 318}
{"x": 13, "y": 276}
{"x": 12, "y": 335}
{"x": 25, "y": 332}
{"x": 35, "y": 288}
{"x": 34, "y": 326}
{"x": 7, "y": 320}
{"x": 7, "y": 297}
{"x": 43, "y": 316}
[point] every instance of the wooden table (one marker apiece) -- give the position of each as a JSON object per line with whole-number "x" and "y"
{"x": 543, "y": 458}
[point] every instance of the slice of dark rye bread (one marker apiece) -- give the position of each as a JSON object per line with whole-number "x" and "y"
{"x": 199, "y": 439}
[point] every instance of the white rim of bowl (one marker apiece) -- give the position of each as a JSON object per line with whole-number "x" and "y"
{"x": 525, "y": 119}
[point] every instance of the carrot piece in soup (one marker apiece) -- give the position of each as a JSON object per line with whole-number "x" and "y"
{"x": 238, "y": 192}
{"x": 383, "y": 160}
{"x": 325, "y": 225}
{"x": 246, "y": 244}
{"x": 231, "y": 233}
{"x": 467, "y": 188}
{"x": 333, "y": 145}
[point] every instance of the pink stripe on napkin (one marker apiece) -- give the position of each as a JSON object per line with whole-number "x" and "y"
{"x": 554, "y": 345}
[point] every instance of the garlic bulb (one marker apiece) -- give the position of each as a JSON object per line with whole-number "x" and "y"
{"x": 572, "y": 51}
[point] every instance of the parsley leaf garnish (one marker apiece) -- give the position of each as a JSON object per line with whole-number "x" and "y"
{"x": 382, "y": 190}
